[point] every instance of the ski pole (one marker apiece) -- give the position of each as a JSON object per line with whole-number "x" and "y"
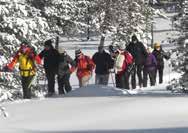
{"x": 169, "y": 65}
{"x": 112, "y": 79}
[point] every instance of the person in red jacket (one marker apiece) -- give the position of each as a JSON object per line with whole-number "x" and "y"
{"x": 84, "y": 66}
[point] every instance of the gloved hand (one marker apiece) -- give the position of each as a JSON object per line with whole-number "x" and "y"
{"x": 71, "y": 70}
{"x": 112, "y": 71}
{"x": 6, "y": 69}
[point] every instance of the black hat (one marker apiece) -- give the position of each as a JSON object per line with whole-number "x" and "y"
{"x": 78, "y": 52}
{"x": 48, "y": 42}
{"x": 134, "y": 38}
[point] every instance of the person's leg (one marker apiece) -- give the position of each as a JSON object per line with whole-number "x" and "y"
{"x": 26, "y": 86}
{"x": 51, "y": 81}
{"x": 118, "y": 82}
{"x": 68, "y": 87}
{"x": 152, "y": 78}
{"x": 105, "y": 79}
{"x": 97, "y": 79}
{"x": 60, "y": 85}
{"x": 84, "y": 80}
{"x": 139, "y": 73}
{"x": 133, "y": 78}
{"x": 101, "y": 79}
{"x": 161, "y": 75}
{"x": 126, "y": 80}
{"x": 145, "y": 78}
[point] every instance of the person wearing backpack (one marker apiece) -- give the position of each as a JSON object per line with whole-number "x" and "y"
{"x": 50, "y": 56}
{"x": 84, "y": 66}
{"x": 149, "y": 68}
{"x": 122, "y": 60}
{"x": 27, "y": 59}
{"x": 104, "y": 63}
{"x": 64, "y": 71}
{"x": 160, "y": 55}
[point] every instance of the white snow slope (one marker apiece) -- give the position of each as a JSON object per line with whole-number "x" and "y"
{"x": 100, "y": 109}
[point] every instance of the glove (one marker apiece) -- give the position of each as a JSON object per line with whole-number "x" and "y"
{"x": 71, "y": 70}
{"x": 6, "y": 69}
{"x": 112, "y": 71}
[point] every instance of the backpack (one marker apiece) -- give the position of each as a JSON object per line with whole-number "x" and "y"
{"x": 90, "y": 64}
{"x": 129, "y": 61}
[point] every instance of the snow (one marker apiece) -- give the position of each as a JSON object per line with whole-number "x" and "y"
{"x": 101, "y": 109}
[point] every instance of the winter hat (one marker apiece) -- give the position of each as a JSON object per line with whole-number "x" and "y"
{"x": 25, "y": 42}
{"x": 157, "y": 44}
{"x": 121, "y": 46}
{"x": 48, "y": 42}
{"x": 61, "y": 50}
{"x": 100, "y": 48}
{"x": 78, "y": 52}
{"x": 134, "y": 38}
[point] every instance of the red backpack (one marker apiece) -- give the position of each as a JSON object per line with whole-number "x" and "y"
{"x": 129, "y": 60}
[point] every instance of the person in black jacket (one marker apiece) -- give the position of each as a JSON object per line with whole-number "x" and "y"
{"x": 103, "y": 62}
{"x": 64, "y": 71}
{"x": 50, "y": 55}
{"x": 139, "y": 53}
{"x": 159, "y": 54}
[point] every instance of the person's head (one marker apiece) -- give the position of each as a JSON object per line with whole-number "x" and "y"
{"x": 121, "y": 46}
{"x": 48, "y": 44}
{"x": 134, "y": 39}
{"x": 149, "y": 50}
{"x": 100, "y": 49}
{"x": 157, "y": 46}
{"x": 111, "y": 48}
{"x": 25, "y": 47}
{"x": 61, "y": 50}
{"x": 78, "y": 53}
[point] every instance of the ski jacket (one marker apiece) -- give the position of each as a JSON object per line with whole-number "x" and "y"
{"x": 151, "y": 62}
{"x": 50, "y": 59}
{"x": 138, "y": 51}
{"x": 103, "y": 62}
{"x": 84, "y": 65}
{"x": 123, "y": 59}
{"x": 64, "y": 62}
{"x": 160, "y": 55}
{"x": 27, "y": 62}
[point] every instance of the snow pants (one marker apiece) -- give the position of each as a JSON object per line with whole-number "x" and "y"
{"x": 101, "y": 79}
{"x": 122, "y": 80}
{"x": 84, "y": 81}
{"x": 26, "y": 86}
{"x": 160, "y": 71}
{"x": 64, "y": 84}
{"x": 138, "y": 69}
{"x": 50, "y": 75}
{"x": 151, "y": 74}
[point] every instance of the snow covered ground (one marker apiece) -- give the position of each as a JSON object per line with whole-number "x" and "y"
{"x": 101, "y": 109}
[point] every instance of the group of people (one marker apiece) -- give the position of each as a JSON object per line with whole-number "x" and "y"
{"x": 124, "y": 62}
{"x": 55, "y": 62}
